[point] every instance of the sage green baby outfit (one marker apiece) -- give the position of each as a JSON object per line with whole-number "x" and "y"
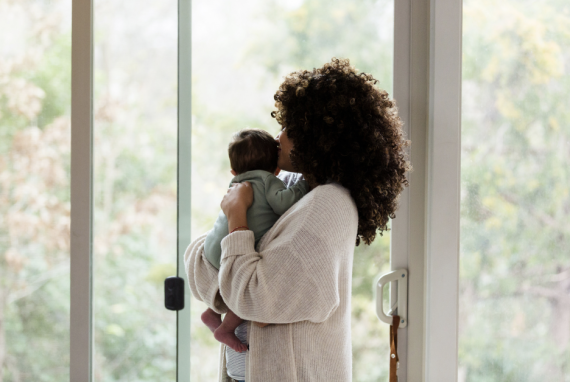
{"x": 271, "y": 198}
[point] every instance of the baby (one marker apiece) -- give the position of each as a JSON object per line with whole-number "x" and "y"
{"x": 253, "y": 158}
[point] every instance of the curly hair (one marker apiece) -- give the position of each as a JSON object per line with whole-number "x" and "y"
{"x": 346, "y": 130}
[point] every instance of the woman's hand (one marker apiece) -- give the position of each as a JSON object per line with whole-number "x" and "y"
{"x": 235, "y": 204}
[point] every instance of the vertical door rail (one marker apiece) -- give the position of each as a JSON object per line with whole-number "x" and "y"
{"x": 425, "y": 233}
{"x": 184, "y": 189}
{"x": 411, "y": 85}
{"x": 81, "y": 190}
{"x": 400, "y": 227}
{"x": 442, "y": 254}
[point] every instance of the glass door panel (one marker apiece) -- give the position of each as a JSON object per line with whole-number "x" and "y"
{"x": 134, "y": 193}
{"x": 514, "y": 319}
{"x": 240, "y": 53}
{"x": 35, "y": 103}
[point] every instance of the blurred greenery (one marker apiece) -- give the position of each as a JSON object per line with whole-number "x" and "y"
{"x": 515, "y": 269}
{"x": 134, "y": 234}
{"x": 514, "y": 319}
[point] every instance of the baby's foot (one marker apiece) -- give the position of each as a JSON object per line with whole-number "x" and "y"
{"x": 211, "y": 319}
{"x": 230, "y": 339}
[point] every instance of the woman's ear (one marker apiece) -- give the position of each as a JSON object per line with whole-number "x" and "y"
{"x": 277, "y": 171}
{"x": 233, "y": 172}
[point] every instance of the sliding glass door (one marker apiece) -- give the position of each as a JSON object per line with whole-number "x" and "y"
{"x": 134, "y": 188}
{"x": 131, "y": 143}
{"x": 240, "y": 53}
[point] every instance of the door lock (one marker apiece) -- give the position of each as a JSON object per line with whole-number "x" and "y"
{"x": 174, "y": 293}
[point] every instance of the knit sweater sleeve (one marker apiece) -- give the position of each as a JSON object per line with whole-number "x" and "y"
{"x": 295, "y": 278}
{"x": 203, "y": 276}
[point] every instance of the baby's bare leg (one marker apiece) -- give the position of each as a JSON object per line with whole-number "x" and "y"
{"x": 212, "y": 319}
{"x": 225, "y": 333}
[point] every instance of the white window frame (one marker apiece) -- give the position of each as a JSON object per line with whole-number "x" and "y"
{"x": 183, "y": 193}
{"x": 425, "y": 234}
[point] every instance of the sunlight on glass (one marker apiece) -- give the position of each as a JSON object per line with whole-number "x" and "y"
{"x": 514, "y": 319}
{"x": 240, "y": 53}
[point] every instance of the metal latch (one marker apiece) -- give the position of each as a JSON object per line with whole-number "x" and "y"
{"x": 400, "y": 307}
{"x": 174, "y": 293}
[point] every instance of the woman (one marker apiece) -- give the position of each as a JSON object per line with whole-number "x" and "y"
{"x": 344, "y": 136}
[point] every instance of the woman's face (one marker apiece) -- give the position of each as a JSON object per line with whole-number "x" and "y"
{"x": 284, "y": 152}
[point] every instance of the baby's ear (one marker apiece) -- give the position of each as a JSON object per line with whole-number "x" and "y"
{"x": 233, "y": 172}
{"x": 277, "y": 171}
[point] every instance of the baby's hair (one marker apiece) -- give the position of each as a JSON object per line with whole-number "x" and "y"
{"x": 253, "y": 149}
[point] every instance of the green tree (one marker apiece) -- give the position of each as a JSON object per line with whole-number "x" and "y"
{"x": 515, "y": 268}
{"x": 34, "y": 183}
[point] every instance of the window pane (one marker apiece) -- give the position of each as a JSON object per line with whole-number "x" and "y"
{"x": 514, "y": 322}
{"x": 35, "y": 86}
{"x": 134, "y": 194}
{"x": 241, "y": 51}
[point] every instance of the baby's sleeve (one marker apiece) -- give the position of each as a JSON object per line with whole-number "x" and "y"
{"x": 281, "y": 198}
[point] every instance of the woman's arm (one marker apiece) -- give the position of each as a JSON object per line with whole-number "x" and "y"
{"x": 290, "y": 282}
{"x": 296, "y": 277}
{"x": 203, "y": 276}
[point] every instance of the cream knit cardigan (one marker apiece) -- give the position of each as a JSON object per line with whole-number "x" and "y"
{"x": 299, "y": 280}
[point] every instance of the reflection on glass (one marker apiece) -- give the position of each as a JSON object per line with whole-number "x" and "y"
{"x": 35, "y": 83}
{"x": 515, "y": 199}
{"x": 134, "y": 193}
{"x": 241, "y": 51}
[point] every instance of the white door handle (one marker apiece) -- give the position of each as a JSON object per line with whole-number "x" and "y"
{"x": 401, "y": 306}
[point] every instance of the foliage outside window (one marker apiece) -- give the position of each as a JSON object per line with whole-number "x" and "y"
{"x": 515, "y": 268}
{"x": 514, "y": 320}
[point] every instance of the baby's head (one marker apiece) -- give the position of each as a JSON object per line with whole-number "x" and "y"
{"x": 253, "y": 149}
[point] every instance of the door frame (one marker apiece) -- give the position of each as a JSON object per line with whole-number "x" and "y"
{"x": 184, "y": 189}
{"x": 425, "y": 233}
